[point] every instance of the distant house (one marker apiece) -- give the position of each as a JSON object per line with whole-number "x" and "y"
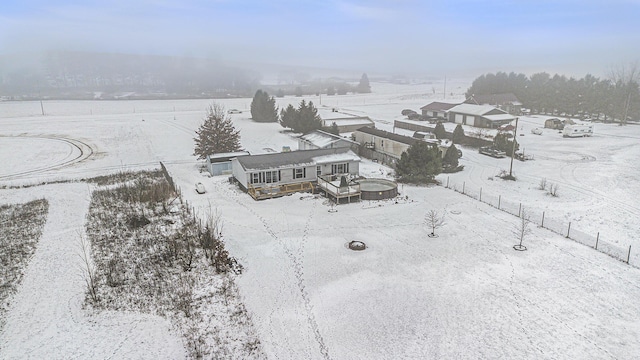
{"x": 277, "y": 174}
{"x": 555, "y": 123}
{"x": 348, "y": 124}
{"x": 507, "y": 102}
{"x": 220, "y": 164}
{"x": 437, "y": 109}
{"x": 383, "y": 142}
{"x": 319, "y": 139}
{"x": 485, "y": 116}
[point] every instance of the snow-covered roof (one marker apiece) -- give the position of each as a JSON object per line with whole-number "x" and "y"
{"x": 471, "y": 109}
{"x": 322, "y": 139}
{"x": 287, "y": 160}
{"x": 220, "y": 157}
{"x": 348, "y": 121}
{"x": 500, "y": 117}
{"x": 438, "y": 106}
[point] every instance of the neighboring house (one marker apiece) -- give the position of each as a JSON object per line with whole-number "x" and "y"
{"x": 319, "y": 139}
{"x": 348, "y": 124}
{"x": 385, "y": 146}
{"x": 507, "y": 102}
{"x": 437, "y": 109}
{"x": 485, "y": 116}
{"x": 277, "y": 174}
{"x": 220, "y": 164}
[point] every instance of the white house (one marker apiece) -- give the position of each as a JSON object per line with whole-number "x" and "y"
{"x": 485, "y": 116}
{"x": 277, "y": 174}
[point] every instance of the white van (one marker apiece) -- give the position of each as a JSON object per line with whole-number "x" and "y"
{"x": 577, "y": 130}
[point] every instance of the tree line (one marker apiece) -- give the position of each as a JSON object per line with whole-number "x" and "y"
{"x": 616, "y": 97}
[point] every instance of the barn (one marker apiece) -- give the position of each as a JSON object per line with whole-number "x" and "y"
{"x": 484, "y": 116}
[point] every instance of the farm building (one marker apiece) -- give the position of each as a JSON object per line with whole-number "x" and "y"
{"x": 485, "y": 116}
{"x": 507, "y": 102}
{"x": 437, "y": 109}
{"x": 276, "y": 174}
{"x": 348, "y": 124}
{"x": 319, "y": 139}
{"x": 220, "y": 164}
{"x": 385, "y": 146}
{"x": 557, "y": 124}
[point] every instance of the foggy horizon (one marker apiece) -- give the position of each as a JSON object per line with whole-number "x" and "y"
{"x": 456, "y": 38}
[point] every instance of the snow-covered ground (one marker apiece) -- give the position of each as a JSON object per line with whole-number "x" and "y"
{"x": 464, "y": 294}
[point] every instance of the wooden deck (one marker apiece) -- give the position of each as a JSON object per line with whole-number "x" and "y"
{"x": 330, "y": 185}
{"x": 268, "y": 192}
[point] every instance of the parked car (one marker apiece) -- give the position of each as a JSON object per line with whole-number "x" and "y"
{"x": 536, "y": 131}
{"x": 234, "y": 111}
{"x": 200, "y": 188}
{"x": 490, "y": 151}
{"x": 406, "y": 112}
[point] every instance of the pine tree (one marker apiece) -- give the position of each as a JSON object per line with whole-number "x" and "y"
{"x": 263, "y": 107}
{"x": 419, "y": 164}
{"x": 334, "y": 129}
{"x": 501, "y": 142}
{"x": 364, "y": 86}
{"x": 439, "y": 131}
{"x": 216, "y": 134}
{"x": 458, "y": 134}
{"x": 289, "y": 117}
{"x": 308, "y": 118}
{"x": 450, "y": 158}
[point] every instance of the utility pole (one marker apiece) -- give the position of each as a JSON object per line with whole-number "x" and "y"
{"x": 445, "y": 87}
{"x": 513, "y": 149}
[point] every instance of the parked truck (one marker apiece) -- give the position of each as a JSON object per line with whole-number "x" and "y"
{"x": 577, "y": 130}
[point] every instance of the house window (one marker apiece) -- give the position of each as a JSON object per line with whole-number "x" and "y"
{"x": 299, "y": 173}
{"x": 265, "y": 177}
{"x": 340, "y": 168}
{"x": 318, "y": 170}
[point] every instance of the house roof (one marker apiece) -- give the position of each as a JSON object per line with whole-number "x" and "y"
{"x": 322, "y": 139}
{"x": 387, "y": 135}
{"x": 364, "y": 120}
{"x": 494, "y": 99}
{"x": 477, "y": 110}
{"x": 222, "y": 157}
{"x": 285, "y": 160}
{"x": 438, "y": 106}
{"x": 500, "y": 117}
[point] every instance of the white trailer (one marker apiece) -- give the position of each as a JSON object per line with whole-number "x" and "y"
{"x": 577, "y": 130}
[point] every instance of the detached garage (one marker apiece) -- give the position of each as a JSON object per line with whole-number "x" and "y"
{"x": 485, "y": 116}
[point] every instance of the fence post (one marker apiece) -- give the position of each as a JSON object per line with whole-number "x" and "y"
{"x": 520, "y": 210}
{"x": 480, "y": 195}
{"x": 499, "y": 197}
{"x": 447, "y": 182}
{"x": 542, "y": 220}
{"x": 463, "y": 187}
{"x": 629, "y": 254}
{"x": 597, "y": 239}
{"x": 568, "y": 230}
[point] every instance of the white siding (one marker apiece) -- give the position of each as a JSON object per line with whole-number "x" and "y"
{"x": 238, "y": 172}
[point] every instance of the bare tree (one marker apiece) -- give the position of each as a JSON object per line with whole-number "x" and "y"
{"x": 434, "y": 220}
{"x": 626, "y": 80}
{"x": 522, "y": 229}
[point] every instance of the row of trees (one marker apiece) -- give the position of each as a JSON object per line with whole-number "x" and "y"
{"x": 615, "y": 97}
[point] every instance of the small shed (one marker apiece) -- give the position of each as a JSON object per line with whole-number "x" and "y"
{"x": 220, "y": 164}
{"x": 554, "y": 123}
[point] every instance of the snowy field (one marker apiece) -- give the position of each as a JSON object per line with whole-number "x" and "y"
{"x": 465, "y": 294}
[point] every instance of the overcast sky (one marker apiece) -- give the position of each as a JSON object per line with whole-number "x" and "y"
{"x": 573, "y": 37}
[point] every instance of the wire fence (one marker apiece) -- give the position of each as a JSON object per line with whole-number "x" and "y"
{"x": 538, "y": 217}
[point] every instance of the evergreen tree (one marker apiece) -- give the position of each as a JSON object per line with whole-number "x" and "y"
{"x": 364, "y": 86}
{"x": 216, "y": 134}
{"x": 263, "y": 107}
{"x": 280, "y": 93}
{"x": 288, "y": 117}
{"x": 439, "y": 131}
{"x": 458, "y": 134}
{"x": 334, "y": 129}
{"x": 450, "y": 158}
{"x": 501, "y": 142}
{"x": 419, "y": 164}
{"x": 331, "y": 90}
{"x": 308, "y": 118}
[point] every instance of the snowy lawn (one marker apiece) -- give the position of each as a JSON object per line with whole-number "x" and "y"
{"x": 464, "y": 294}
{"x": 17, "y": 245}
